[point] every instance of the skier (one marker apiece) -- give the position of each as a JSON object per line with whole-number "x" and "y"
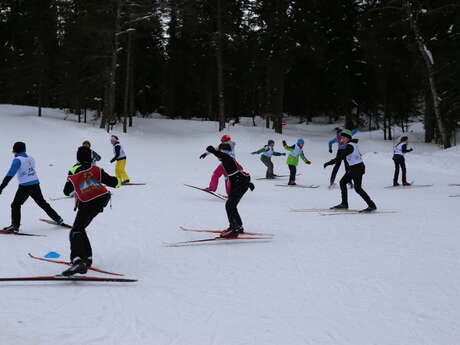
{"x": 295, "y": 151}
{"x": 240, "y": 181}
{"x": 266, "y": 157}
{"x": 94, "y": 156}
{"x": 340, "y": 146}
{"x": 219, "y": 171}
{"x": 398, "y": 157}
{"x": 23, "y": 166}
{"x": 354, "y": 172}
{"x": 86, "y": 181}
{"x": 120, "y": 157}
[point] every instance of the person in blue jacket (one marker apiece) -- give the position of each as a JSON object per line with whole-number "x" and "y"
{"x": 23, "y": 166}
{"x": 340, "y": 146}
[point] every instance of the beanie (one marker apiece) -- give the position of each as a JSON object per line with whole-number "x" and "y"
{"x": 84, "y": 154}
{"x": 19, "y": 147}
{"x": 346, "y": 133}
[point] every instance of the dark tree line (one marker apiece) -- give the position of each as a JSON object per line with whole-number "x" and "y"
{"x": 376, "y": 63}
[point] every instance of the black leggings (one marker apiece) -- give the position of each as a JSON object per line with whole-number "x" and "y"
{"x": 399, "y": 162}
{"x": 20, "y": 198}
{"x": 292, "y": 172}
{"x": 336, "y": 168}
{"x": 354, "y": 174}
{"x": 269, "y": 164}
{"x": 79, "y": 242}
{"x": 237, "y": 191}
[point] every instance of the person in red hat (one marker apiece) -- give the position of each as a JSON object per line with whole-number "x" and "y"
{"x": 219, "y": 171}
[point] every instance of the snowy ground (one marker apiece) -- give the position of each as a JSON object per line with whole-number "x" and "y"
{"x": 388, "y": 279}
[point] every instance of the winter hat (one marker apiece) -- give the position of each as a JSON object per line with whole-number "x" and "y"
{"x": 19, "y": 147}
{"x": 86, "y": 143}
{"x": 225, "y": 138}
{"x": 300, "y": 141}
{"x": 84, "y": 154}
{"x": 346, "y": 133}
{"x": 114, "y": 137}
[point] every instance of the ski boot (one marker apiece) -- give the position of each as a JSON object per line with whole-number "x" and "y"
{"x": 370, "y": 208}
{"x": 78, "y": 266}
{"x": 405, "y": 183}
{"x": 11, "y": 228}
{"x": 340, "y": 207}
{"x": 231, "y": 232}
{"x": 292, "y": 183}
{"x": 395, "y": 184}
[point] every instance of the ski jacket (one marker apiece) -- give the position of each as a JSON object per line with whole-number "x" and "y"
{"x": 118, "y": 152}
{"x": 351, "y": 154}
{"x": 401, "y": 149}
{"x": 268, "y": 151}
{"x": 23, "y": 166}
{"x": 340, "y": 141}
{"x": 88, "y": 182}
{"x": 232, "y": 169}
{"x": 295, "y": 151}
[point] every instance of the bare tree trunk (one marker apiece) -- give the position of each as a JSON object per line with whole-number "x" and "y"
{"x": 127, "y": 83}
{"x": 429, "y": 64}
{"x": 276, "y": 91}
{"x": 220, "y": 69}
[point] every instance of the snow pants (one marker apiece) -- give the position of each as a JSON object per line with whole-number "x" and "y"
{"x": 238, "y": 188}
{"x": 269, "y": 164}
{"x": 399, "y": 162}
{"x": 20, "y": 198}
{"x": 120, "y": 170}
{"x": 80, "y": 247}
{"x": 214, "y": 183}
{"x": 355, "y": 173}
{"x": 292, "y": 172}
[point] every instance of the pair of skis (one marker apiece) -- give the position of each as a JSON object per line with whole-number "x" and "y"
{"x": 277, "y": 177}
{"x": 245, "y": 237}
{"x": 217, "y": 195}
{"x": 49, "y": 221}
{"x": 71, "y": 278}
{"x": 335, "y": 211}
{"x": 298, "y": 185}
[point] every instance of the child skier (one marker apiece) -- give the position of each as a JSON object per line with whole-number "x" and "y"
{"x": 219, "y": 171}
{"x": 240, "y": 181}
{"x": 295, "y": 151}
{"x": 94, "y": 156}
{"x": 266, "y": 157}
{"x": 23, "y": 166}
{"x": 354, "y": 172}
{"x": 398, "y": 157}
{"x": 340, "y": 146}
{"x": 120, "y": 158}
{"x": 86, "y": 181}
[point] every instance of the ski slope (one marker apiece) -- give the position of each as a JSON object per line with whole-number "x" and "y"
{"x": 383, "y": 279}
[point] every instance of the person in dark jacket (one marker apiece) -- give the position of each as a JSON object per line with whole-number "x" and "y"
{"x": 94, "y": 156}
{"x": 340, "y": 145}
{"x": 398, "y": 157}
{"x": 23, "y": 166}
{"x": 240, "y": 182}
{"x": 87, "y": 182}
{"x": 354, "y": 172}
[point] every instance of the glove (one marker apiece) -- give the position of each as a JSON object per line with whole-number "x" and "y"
{"x": 326, "y": 164}
{"x": 253, "y": 153}
{"x": 308, "y": 162}
{"x": 410, "y": 150}
{"x": 283, "y": 154}
{"x": 203, "y": 155}
{"x": 251, "y": 186}
{"x": 112, "y": 160}
{"x": 330, "y": 150}
{"x": 284, "y": 143}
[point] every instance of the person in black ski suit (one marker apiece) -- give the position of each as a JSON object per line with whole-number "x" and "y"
{"x": 398, "y": 157}
{"x": 85, "y": 175}
{"x": 354, "y": 172}
{"x": 240, "y": 182}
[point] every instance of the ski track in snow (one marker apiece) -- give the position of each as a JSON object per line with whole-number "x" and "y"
{"x": 386, "y": 279}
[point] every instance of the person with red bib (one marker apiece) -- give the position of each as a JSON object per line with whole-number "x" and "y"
{"x": 219, "y": 171}
{"x": 240, "y": 182}
{"x": 86, "y": 182}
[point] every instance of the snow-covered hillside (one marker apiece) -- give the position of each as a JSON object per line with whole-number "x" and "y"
{"x": 386, "y": 279}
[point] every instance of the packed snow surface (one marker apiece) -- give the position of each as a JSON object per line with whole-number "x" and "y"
{"x": 386, "y": 279}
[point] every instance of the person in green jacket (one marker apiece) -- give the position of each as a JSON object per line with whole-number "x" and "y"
{"x": 266, "y": 157}
{"x": 295, "y": 151}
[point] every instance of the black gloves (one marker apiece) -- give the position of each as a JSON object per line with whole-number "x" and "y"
{"x": 326, "y": 164}
{"x": 112, "y": 160}
{"x": 330, "y": 150}
{"x": 251, "y": 186}
{"x": 284, "y": 143}
{"x": 203, "y": 155}
{"x": 210, "y": 149}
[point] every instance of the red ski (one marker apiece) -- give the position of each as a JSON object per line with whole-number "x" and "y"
{"x": 3, "y": 232}
{"x": 68, "y": 263}
{"x": 71, "y": 278}
{"x": 219, "y": 239}
{"x": 220, "y": 196}
{"x": 52, "y": 222}
{"x": 220, "y": 231}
